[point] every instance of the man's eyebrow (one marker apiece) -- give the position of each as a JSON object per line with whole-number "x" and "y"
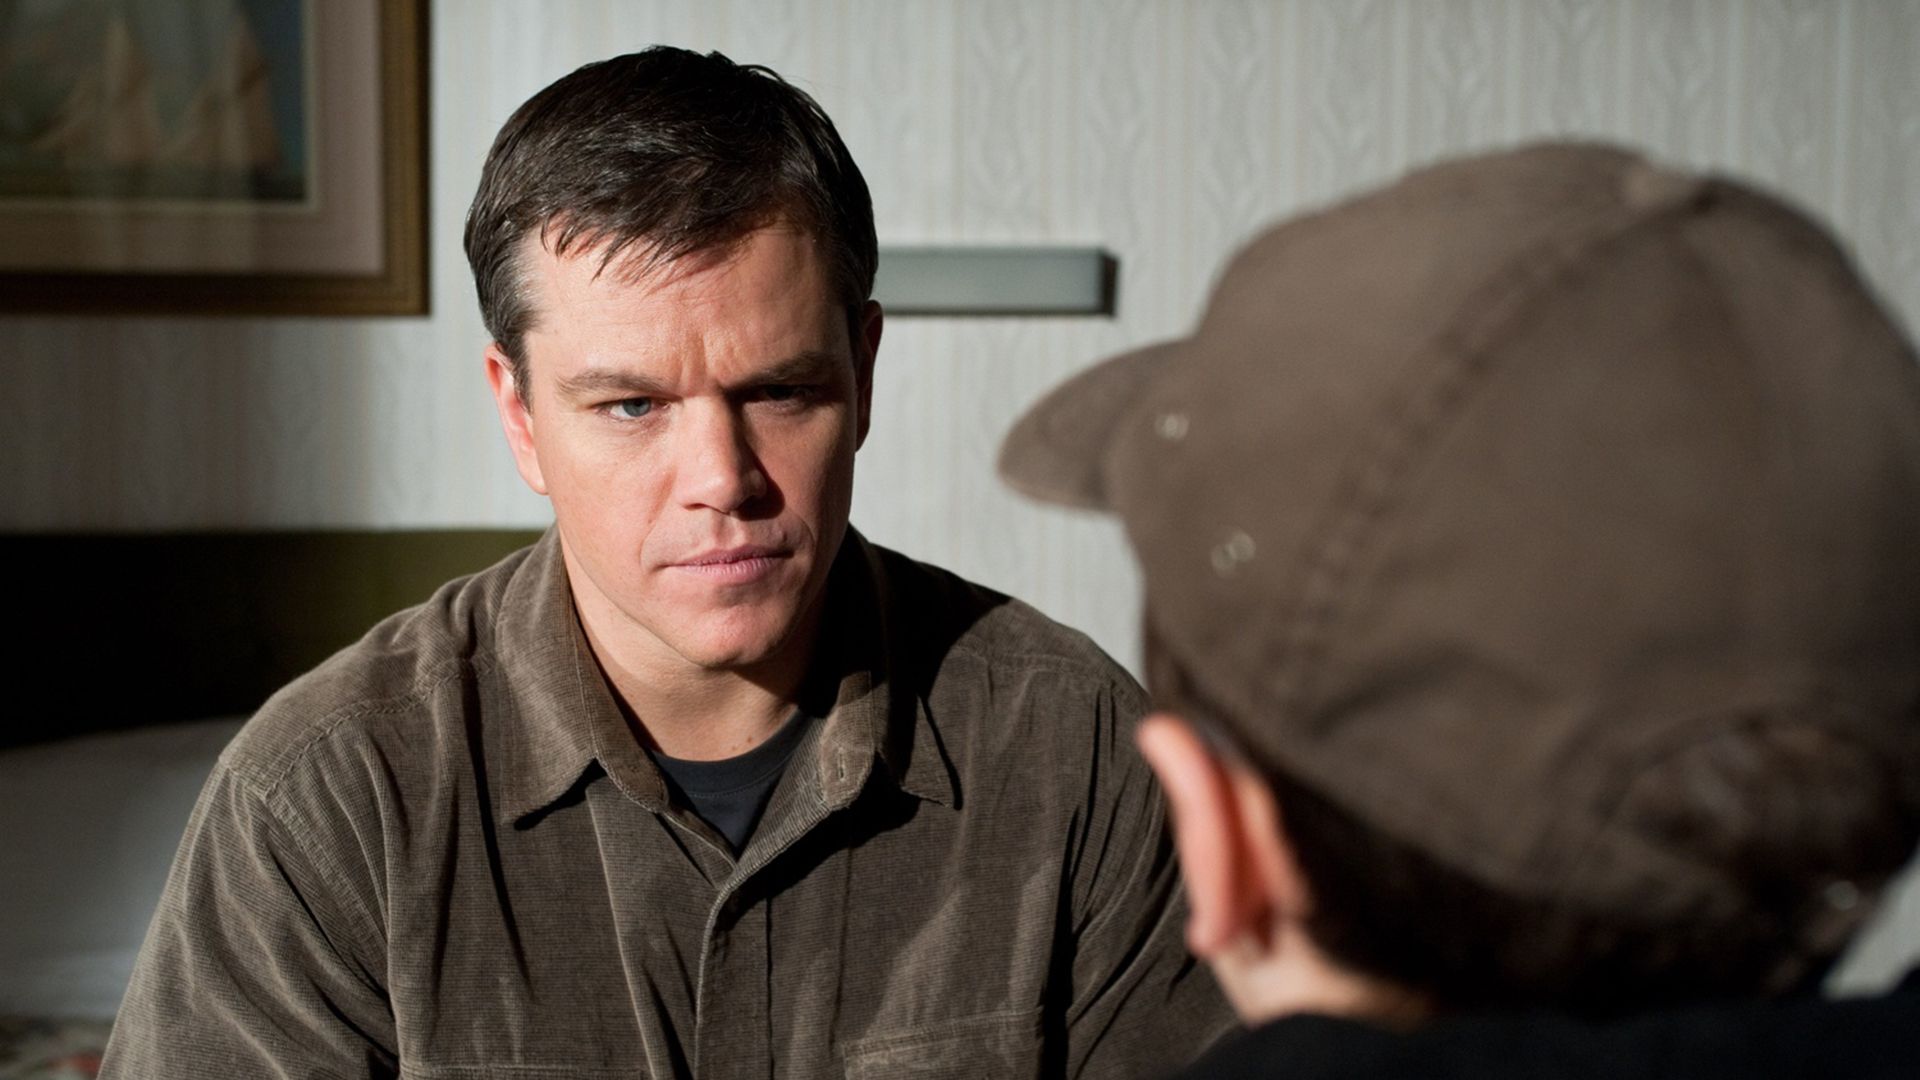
{"x": 599, "y": 382}
{"x": 814, "y": 365}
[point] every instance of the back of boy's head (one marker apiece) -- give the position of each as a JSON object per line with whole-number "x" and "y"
{"x": 1543, "y": 527}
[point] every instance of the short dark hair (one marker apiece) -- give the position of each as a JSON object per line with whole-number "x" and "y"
{"x": 670, "y": 150}
{"x": 1791, "y": 814}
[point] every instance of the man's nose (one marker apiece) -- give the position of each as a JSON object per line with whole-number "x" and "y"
{"x": 718, "y": 468}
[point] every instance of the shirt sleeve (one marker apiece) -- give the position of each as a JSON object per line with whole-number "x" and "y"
{"x": 1142, "y": 1005}
{"x": 259, "y": 962}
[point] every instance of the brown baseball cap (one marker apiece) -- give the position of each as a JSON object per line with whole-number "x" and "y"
{"x": 1475, "y": 501}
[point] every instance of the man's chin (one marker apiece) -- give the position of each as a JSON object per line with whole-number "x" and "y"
{"x": 718, "y": 658}
{"x": 741, "y": 649}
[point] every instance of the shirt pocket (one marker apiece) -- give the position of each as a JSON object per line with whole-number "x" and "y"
{"x": 999, "y": 1045}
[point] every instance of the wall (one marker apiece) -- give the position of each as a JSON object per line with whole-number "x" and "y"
{"x": 1164, "y": 131}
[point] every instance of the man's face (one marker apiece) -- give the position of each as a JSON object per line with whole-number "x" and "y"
{"x": 695, "y": 429}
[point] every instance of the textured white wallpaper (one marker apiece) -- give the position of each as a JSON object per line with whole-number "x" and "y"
{"x": 1164, "y": 131}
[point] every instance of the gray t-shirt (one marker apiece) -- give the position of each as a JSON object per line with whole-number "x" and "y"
{"x": 731, "y": 793}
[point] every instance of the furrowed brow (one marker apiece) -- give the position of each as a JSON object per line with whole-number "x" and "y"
{"x": 811, "y": 366}
{"x": 601, "y": 382}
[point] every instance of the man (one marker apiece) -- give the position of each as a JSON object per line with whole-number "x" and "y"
{"x": 702, "y": 783}
{"x": 1533, "y": 609}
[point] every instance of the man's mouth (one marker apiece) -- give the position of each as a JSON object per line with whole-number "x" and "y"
{"x": 736, "y": 565}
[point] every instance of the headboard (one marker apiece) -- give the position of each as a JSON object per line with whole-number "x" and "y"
{"x": 123, "y": 629}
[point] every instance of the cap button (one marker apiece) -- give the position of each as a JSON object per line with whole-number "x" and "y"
{"x": 1646, "y": 186}
{"x": 1237, "y": 548}
{"x": 1171, "y": 426}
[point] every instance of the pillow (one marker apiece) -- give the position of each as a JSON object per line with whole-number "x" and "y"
{"x": 51, "y": 1049}
{"x": 90, "y": 826}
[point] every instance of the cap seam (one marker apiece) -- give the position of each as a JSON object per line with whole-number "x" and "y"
{"x": 1419, "y": 415}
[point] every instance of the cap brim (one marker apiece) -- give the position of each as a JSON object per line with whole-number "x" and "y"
{"x": 1057, "y": 452}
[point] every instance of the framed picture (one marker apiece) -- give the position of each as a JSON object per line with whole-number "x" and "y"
{"x": 213, "y": 157}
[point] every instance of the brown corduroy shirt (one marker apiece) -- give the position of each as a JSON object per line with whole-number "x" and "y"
{"x": 444, "y": 854}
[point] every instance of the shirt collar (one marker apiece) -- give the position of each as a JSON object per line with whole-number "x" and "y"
{"x": 567, "y": 721}
{"x": 880, "y": 711}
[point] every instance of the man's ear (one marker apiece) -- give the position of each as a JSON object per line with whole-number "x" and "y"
{"x": 1242, "y": 881}
{"x": 866, "y": 346}
{"x": 515, "y": 418}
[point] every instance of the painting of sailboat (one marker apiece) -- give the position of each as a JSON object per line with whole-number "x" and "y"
{"x": 138, "y": 100}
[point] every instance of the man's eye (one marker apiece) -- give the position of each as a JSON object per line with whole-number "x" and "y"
{"x": 630, "y": 408}
{"x": 786, "y": 392}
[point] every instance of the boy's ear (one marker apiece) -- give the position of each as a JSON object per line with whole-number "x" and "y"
{"x": 1242, "y": 880}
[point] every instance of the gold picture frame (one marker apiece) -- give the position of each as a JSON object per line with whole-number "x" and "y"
{"x": 153, "y": 180}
